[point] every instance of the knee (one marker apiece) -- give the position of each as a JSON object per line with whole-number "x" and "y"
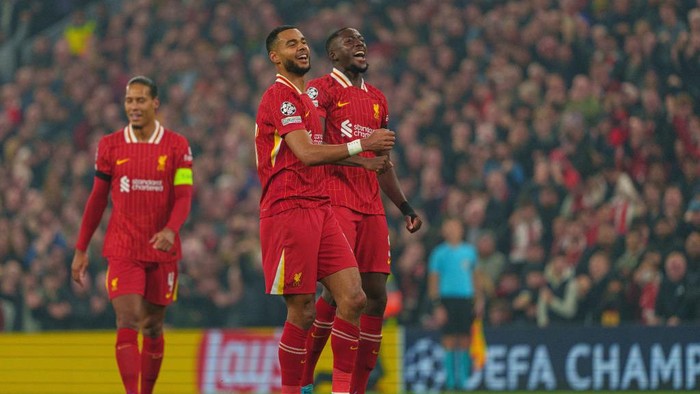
{"x": 130, "y": 320}
{"x": 152, "y": 328}
{"x": 301, "y": 310}
{"x": 376, "y": 303}
{"x": 356, "y": 301}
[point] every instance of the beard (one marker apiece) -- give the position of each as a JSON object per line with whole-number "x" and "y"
{"x": 357, "y": 69}
{"x": 292, "y": 67}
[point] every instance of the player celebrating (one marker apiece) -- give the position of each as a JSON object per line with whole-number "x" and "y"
{"x": 147, "y": 169}
{"x": 353, "y": 108}
{"x": 301, "y": 240}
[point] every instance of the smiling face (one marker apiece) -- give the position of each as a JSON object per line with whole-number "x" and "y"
{"x": 291, "y": 52}
{"x": 348, "y": 51}
{"x": 140, "y": 105}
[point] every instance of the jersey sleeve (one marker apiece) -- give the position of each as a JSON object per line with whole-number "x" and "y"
{"x": 286, "y": 111}
{"x": 183, "y": 164}
{"x": 103, "y": 160}
{"x": 385, "y": 110}
{"x": 318, "y": 93}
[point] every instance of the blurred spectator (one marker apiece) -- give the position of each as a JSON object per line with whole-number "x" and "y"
{"x": 557, "y": 300}
{"x": 490, "y": 262}
{"x": 11, "y": 305}
{"x": 678, "y": 295}
{"x": 79, "y": 33}
{"x": 598, "y": 289}
{"x": 647, "y": 279}
{"x": 629, "y": 260}
{"x": 525, "y": 302}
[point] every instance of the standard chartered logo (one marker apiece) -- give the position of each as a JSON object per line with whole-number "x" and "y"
{"x": 346, "y": 128}
{"x": 126, "y": 185}
{"x": 349, "y": 130}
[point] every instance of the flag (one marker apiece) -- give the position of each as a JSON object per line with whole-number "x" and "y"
{"x": 478, "y": 350}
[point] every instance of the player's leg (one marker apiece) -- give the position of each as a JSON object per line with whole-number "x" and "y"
{"x": 290, "y": 267}
{"x": 129, "y": 311}
{"x": 300, "y": 316}
{"x": 161, "y": 290}
{"x": 153, "y": 346}
{"x": 371, "y": 321}
{"x": 318, "y": 336}
{"x": 125, "y": 283}
{"x": 338, "y": 272}
{"x": 325, "y": 306}
{"x": 345, "y": 334}
{"x": 374, "y": 261}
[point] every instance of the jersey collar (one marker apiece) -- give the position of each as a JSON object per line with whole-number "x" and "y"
{"x": 284, "y": 81}
{"x": 344, "y": 81}
{"x": 157, "y": 135}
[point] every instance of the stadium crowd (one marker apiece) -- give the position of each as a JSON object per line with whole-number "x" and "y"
{"x": 563, "y": 134}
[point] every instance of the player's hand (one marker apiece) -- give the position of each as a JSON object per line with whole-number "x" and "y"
{"x": 413, "y": 223}
{"x": 378, "y": 164}
{"x": 79, "y": 266}
{"x": 163, "y": 240}
{"x": 379, "y": 140}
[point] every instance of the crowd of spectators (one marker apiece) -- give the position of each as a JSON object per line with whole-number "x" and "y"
{"x": 563, "y": 134}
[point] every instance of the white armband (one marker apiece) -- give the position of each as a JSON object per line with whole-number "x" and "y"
{"x": 354, "y": 147}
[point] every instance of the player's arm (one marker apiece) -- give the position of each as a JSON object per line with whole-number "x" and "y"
{"x": 182, "y": 188}
{"x": 377, "y": 164}
{"x": 389, "y": 183}
{"x": 94, "y": 209}
{"x": 312, "y": 154}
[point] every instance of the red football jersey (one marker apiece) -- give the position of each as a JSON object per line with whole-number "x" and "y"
{"x": 143, "y": 178}
{"x": 351, "y": 113}
{"x": 286, "y": 181}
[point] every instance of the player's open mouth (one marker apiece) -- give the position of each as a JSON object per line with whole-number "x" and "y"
{"x": 359, "y": 54}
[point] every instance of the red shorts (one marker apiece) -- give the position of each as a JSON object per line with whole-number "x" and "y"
{"x": 156, "y": 282}
{"x": 301, "y": 246}
{"x": 368, "y": 236}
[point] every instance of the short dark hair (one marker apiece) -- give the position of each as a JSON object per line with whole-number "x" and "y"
{"x": 142, "y": 80}
{"x": 332, "y": 37}
{"x": 272, "y": 37}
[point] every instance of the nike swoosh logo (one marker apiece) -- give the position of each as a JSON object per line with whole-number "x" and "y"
{"x": 316, "y": 336}
{"x": 354, "y": 347}
{"x": 375, "y": 352}
{"x": 121, "y": 161}
{"x": 342, "y": 104}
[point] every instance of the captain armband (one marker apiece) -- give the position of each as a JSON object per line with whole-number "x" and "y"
{"x": 183, "y": 176}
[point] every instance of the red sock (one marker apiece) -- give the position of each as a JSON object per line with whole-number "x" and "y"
{"x": 151, "y": 358}
{"x": 344, "y": 342}
{"x": 317, "y": 338}
{"x": 292, "y": 355}
{"x": 127, "y": 352}
{"x": 370, "y": 340}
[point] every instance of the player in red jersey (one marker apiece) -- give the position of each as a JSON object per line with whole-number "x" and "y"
{"x": 301, "y": 240}
{"x": 147, "y": 169}
{"x": 352, "y": 108}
